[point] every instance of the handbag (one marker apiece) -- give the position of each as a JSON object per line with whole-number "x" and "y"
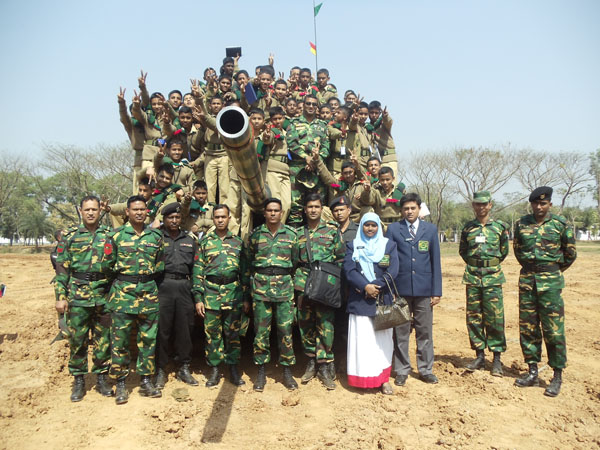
{"x": 390, "y": 316}
{"x": 323, "y": 283}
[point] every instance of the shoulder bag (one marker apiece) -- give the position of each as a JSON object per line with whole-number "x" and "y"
{"x": 323, "y": 283}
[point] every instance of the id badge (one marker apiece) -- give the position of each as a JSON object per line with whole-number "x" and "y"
{"x": 480, "y": 239}
{"x": 343, "y": 151}
{"x": 423, "y": 246}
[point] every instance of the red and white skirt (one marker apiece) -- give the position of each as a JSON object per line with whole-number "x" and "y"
{"x": 370, "y": 353}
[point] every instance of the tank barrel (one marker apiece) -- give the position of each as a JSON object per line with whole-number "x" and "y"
{"x": 237, "y": 136}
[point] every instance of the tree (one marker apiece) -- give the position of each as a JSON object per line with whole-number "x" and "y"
{"x": 595, "y": 173}
{"x": 573, "y": 170}
{"x": 537, "y": 168}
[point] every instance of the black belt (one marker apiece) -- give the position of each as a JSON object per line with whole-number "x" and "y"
{"x": 138, "y": 278}
{"x": 483, "y": 262}
{"x": 303, "y": 264}
{"x": 177, "y": 276}
{"x": 539, "y": 268}
{"x": 364, "y": 152}
{"x": 272, "y": 271}
{"x": 221, "y": 280}
{"x": 89, "y": 276}
{"x": 281, "y": 159}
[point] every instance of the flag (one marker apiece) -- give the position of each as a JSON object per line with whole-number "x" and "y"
{"x": 317, "y": 8}
{"x": 313, "y": 48}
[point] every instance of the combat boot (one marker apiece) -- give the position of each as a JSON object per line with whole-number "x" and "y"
{"x": 332, "y": 371}
{"x": 234, "y": 376}
{"x": 309, "y": 373}
{"x": 554, "y": 388}
{"x": 288, "y": 379}
{"x": 78, "y": 390}
{"x": 497, "y": 366}
{"x": 147, "y": 389}
{"x": 478, "y": 363}
{"x": 185, "y": 375}
{"x": 214, "y": 377}
{"x": 531, "y": 379}
{"x": 121, "y": 394}
{"x": 103, "y": 387}
{"x": 324, "y": 375}
{"x": 261, "y": 379}
{"x": 161, "y": 379}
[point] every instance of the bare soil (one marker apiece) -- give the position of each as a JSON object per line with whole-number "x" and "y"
{"x": 464, "y": 410}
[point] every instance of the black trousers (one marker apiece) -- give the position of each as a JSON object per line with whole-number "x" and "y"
{"x": 176, "y": 319}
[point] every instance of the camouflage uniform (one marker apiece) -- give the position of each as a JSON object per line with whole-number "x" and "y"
{"x": 132, "y": 302}
{"x": 315, "y": 320}
{"x": 222, "y": 277}
{"x": 301, "y": 136}
{"x": 272, "y": 260}
{"x": 483, "y": 248}
{"x": 544, "y": 252}
{"x": 82, "y": 281}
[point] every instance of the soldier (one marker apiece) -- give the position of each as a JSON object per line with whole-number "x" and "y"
{"x": 303, "y": 134}
{"x": 165, "y": 192}
{"x": 81, "y": 288}
{"x": 316, "y": 320}
{"x": 273, "y": 254}
{"x": 379, "y": 129}
{"x": 135, "y": 256}
{"x": 545, "y": 247}
{"x": 222, "y": 278}
{"x": 172, "y": 153}
{"x": 384, "y": 197}
{"x": 117, "y": 211}
{"x": 196, "y": 212}
{"x": 176, "y": 307}
{"x": 483, "y": 246}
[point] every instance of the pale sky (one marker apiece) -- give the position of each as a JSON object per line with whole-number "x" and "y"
{"x": 452, "y": 73}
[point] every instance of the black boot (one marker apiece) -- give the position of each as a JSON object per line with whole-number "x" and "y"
{"x": 531, "y": 379}
{"x": 234, "y": 376}
{"x": 324, "y": 375}
{"x": 332, "y": 371}
{"x": 78, "y": 390}
{"x": 478, "y": 363}
{"x": 103, "y": 387}
{"x": 214, "y": 377}
{"x": 121, "y": 394}
{"x": 185, "y": 375}
{"x": 161, "y": 379}
{"x": 147, "y": 389}
{"x": 261, "y": 379}
{"x": 497, "y": 366}
{"x": 554, "y": 388}
{"x": 288, "y": 379}
{"x": 309, "y": 373}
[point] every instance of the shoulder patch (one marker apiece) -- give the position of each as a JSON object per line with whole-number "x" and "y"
{"x": 108, "y": 249}
{"x": 60, "y": 247}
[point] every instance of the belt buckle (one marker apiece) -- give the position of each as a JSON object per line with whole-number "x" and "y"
{"x": 88, "y": 277}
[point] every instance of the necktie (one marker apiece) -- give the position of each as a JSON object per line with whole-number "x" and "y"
{"x": 411, "y": 230}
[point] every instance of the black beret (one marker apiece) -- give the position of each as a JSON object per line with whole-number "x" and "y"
{"x": 541, "y": 193}
{"x": 341, "y": 200}
{"x": 171, "y": 208}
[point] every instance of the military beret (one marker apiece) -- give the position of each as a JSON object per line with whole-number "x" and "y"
{"x": 541, "y": 193}
{"x": 171, "y": 208}
{"x": 401, "y": 187}
{"x": 341, "y": 200}
{"x": 482, "y": 197}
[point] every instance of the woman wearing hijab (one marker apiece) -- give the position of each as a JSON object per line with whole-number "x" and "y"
{"x": 369, "y": 257}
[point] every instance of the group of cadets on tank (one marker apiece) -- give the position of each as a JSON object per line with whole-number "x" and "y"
{"x": 183, "y": 244}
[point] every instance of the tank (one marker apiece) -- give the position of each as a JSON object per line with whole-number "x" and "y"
{"x": 238, "y": 138}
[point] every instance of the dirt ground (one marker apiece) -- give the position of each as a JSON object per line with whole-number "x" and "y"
{"x": 463, "y": 410}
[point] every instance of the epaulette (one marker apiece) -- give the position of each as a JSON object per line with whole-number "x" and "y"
{"x": 70, "y": 230}
{"x": 332, "y": 224}
{"x": 192, "y": 235}
{"x": 292, "y": 229}
{"x": 561, "y": 219}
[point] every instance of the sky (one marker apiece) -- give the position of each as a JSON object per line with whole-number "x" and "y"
{"x": 452, "y": 73}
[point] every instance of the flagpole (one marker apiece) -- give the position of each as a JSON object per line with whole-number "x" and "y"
{"x": 316, "y": 43}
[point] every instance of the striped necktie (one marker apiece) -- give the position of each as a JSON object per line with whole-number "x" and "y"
{"x": 411, "y": 230}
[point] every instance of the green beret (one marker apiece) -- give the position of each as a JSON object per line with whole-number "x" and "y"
{"x": 482, "y": 197}
{"x": 171, "y": 208}
{"x": 541, "y": 193}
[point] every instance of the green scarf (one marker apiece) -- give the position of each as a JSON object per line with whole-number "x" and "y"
{"x": 195, "y": 206}
{"x": 159, "y": 197}
{"x": 372, "y": 127}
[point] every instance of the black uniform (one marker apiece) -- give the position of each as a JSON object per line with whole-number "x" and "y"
{"x": 176, "y": 305}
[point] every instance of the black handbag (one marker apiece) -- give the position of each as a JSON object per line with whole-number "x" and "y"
{"x": 323, "y": 283}
{"x": 390, "y": 316}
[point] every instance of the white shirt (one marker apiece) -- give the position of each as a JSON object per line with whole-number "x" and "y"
{"x": 415, "y": 224}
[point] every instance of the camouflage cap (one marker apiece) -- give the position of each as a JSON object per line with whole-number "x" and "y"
{"x": 482, "y": 197}
{"x": 541, "y": 193}
{"x": 341, "y": 200}
{"x": 171, "y": 208}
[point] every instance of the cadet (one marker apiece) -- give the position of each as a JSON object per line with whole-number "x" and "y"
{"x": 183, "y": 173}
{"x": 222, "y": 277}
{"x": 166, "y": 192}
{"x": 176, "y": 307}
{"x": 545, "y": 247}
{"x": 384, "y": 197}
{"x": 81, "y": 288}
{"x": 135, "y": 256}
{"x": 316, "y": 320}
{"x": 483, "y": 246}
{"x": 273, "y": 254}
{"x": 379, "y": 130}
{"x": 117, "y": 211}
{"x": 196, "y": 213}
